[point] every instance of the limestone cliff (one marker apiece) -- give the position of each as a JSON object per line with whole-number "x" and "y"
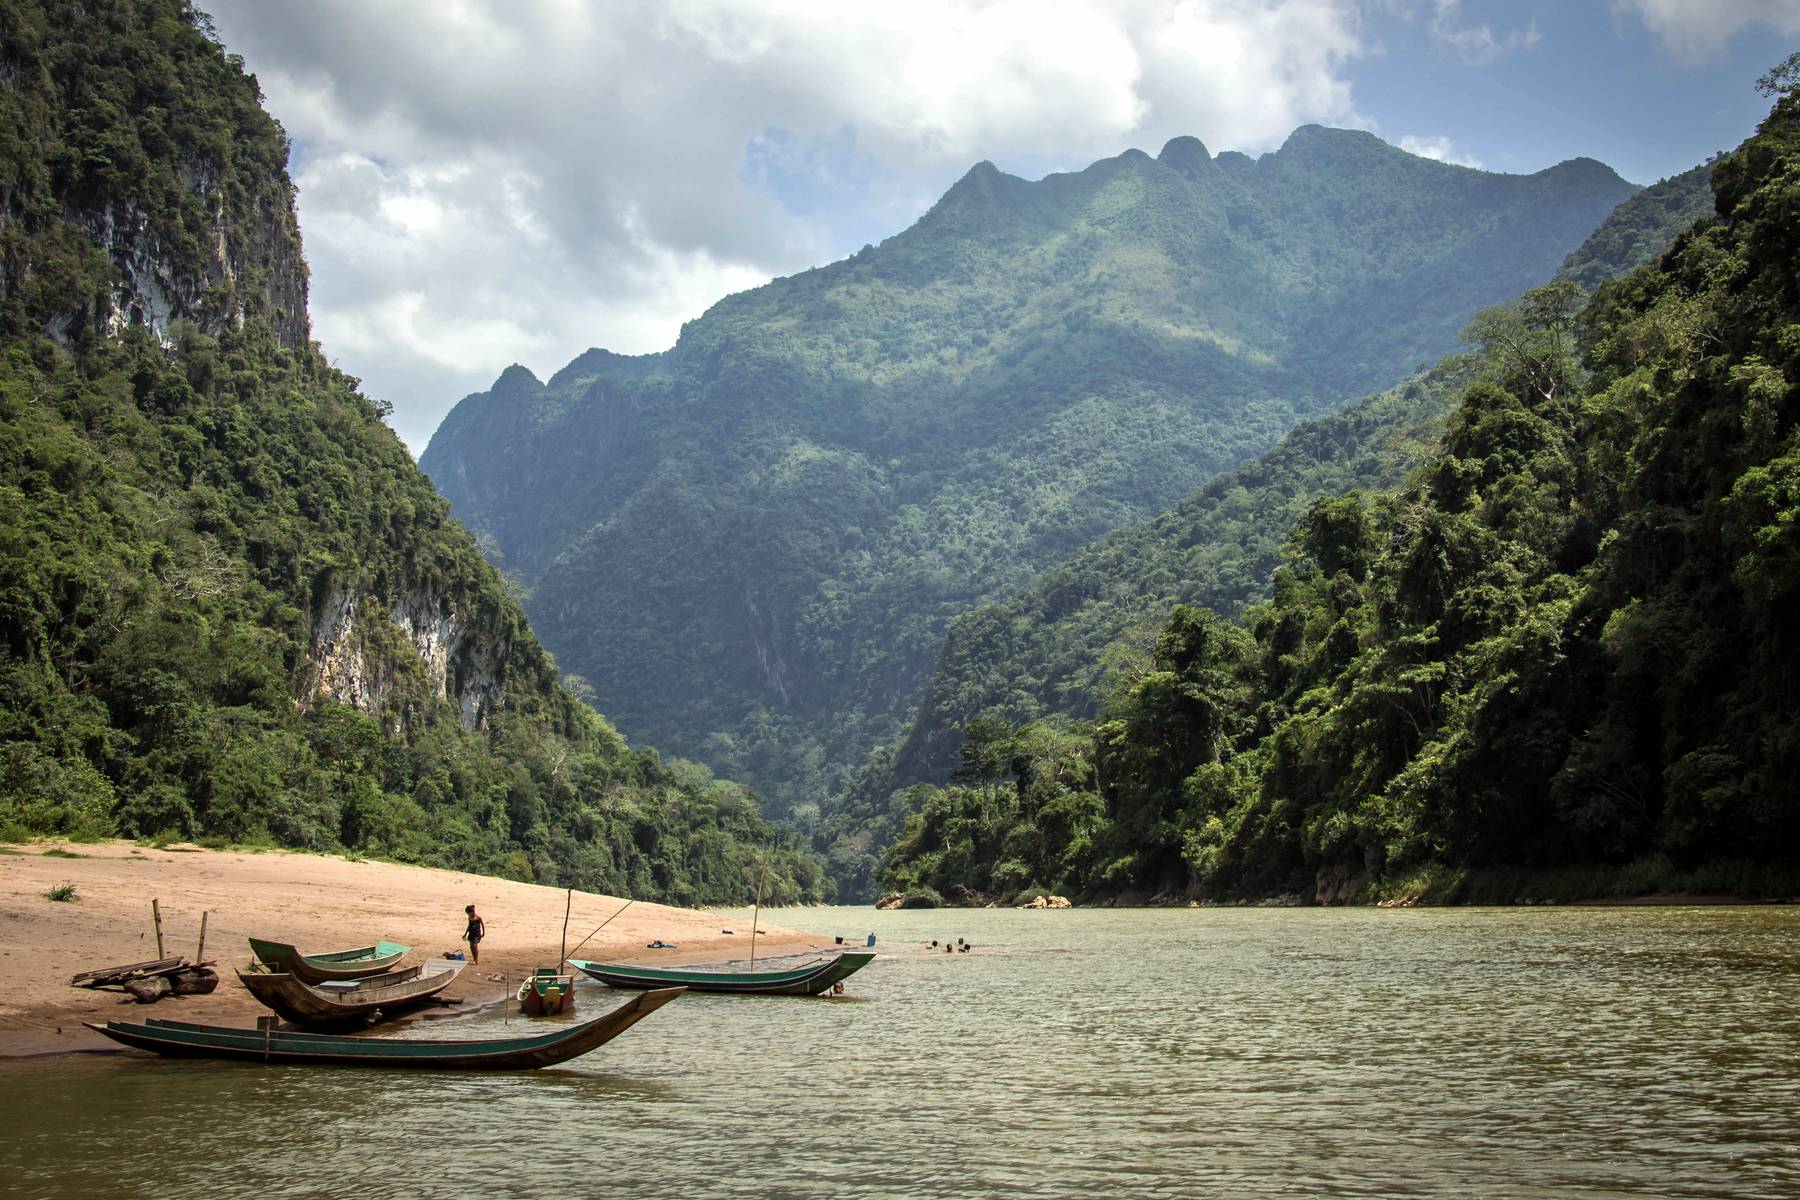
{"x": 141, "y": 183}
{"x": 248, "y": 267}
{"x": 375, "y": 654}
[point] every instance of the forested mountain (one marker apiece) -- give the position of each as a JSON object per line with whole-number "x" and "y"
{"x": 1568, "y": 643}
{"x": 1641, "y": 228}
{"x": 230, "y": 605}
{"x": 1054, "y": 647}
{"x": 750, "y": 545}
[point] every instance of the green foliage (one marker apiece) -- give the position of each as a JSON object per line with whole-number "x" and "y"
{"x": 752, "y": 544}
{"x": 1563, "y": 656}
{"x": 1027, "y": 821}
{"x": 127, "y": 122}
{"x": 61, "y": 891}
{"x": 1641, "y": 228}
{"x": 231, "y": 608}
{"x": 1062, "y": 644}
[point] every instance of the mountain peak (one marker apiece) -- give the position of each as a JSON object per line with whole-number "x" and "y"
{"x": 1310, "y": 141}
{"x": 982, "y": 174}
{"x": 517, "y": 380}
{"x": 1586, "y": 170}
{"x": 1186, "y": 154}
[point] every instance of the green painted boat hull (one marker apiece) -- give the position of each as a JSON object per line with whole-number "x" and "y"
{"x": 809, "y": 980}
{"x": 359, "y": 963}
{"x": 546, "y": 993}
{"x": 178, "y": 1039}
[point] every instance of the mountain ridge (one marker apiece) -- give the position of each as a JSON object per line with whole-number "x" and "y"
{"x": 1558, "y": 661}
{"x": 1634, "y": 233}
{"x": 849, "y": 456}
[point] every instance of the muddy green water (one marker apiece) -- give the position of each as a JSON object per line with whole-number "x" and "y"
{"x": 1555, "y": 1052}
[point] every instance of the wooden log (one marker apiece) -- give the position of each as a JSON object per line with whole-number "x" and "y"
{"x": 113, "y": 976}
{"x": 149, "y": 991}
{"x": 156, "y": 920}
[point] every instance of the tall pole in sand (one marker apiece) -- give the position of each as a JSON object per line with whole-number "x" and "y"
{"x": 590, "y": 937}
{"x": 757, "y": 915}
{"x": 567, "y": 905}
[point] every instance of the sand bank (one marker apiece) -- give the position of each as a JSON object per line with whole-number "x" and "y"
{"x": 317, "y": 902}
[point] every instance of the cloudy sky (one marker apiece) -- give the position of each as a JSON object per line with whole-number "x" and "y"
{"x": 485, "y": 182}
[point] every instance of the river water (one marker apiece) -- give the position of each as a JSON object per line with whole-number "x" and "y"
{"x": 1555, "y": 1052}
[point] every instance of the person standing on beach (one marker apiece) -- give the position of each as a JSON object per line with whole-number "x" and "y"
{"x": 474, "y": 933}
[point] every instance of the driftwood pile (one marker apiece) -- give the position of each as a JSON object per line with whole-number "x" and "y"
{"x": 149, "y": 982}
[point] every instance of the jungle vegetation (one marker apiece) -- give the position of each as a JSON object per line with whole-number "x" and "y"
{"x": 1062, "y": 644}
{"x": 179, "y": 503}
{"x": 751, "y": 545}
{"x": 1566, "y": 644}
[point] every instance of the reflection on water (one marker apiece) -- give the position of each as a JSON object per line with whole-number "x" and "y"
{"x": 1226, "y": 1052}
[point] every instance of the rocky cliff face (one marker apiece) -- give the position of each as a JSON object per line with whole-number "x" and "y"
{"x": 249, "y": 267}
{"x": 373, "y": 655}
{"x": 141, "y": 183}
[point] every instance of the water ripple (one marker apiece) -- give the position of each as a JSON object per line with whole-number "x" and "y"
{"x": 1232, "y": 1053}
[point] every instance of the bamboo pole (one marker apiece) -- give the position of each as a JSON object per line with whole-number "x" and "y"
{"x": 762, "y": 870}
{"x": 156, "y": 920}
{"x": 590, "y": 937}
{"x": 200, "y": 950}
{"x": 568, "y": 905}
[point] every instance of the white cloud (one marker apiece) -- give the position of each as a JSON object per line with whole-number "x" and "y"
{"x": 1698, "y": 29}
{"x": 1477, "y": 45}
{"x": 484, "y": 181}
{"x": 1440, "y": 148}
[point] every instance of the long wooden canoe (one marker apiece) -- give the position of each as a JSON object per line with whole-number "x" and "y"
{"x": 809, "y": 980}
{"x": 177, "y": 1039}
{"x": 359, "y": 963}
{"x": 350, "y": 1002}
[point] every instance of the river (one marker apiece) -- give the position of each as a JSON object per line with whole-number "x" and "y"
{"x": 1554, "y": 1052}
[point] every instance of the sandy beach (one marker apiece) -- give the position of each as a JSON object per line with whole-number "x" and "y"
{"x": 317, "y": 902}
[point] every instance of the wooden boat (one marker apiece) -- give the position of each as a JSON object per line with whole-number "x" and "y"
{"x": 547, "y": 993}
{"x": 350, "y": 1001}
{"x": 809, "y": 980}
{"x": 181, "y": 1040}
{"x": 359, "y": 963}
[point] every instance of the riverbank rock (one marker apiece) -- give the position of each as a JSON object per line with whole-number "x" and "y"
{"x": 890, "y": 900}
{"x": 1048, "y": 902}
{"x": 195, "y": 981}
{"x": 149, "y": 991}
{"x": 1335, "y": 883}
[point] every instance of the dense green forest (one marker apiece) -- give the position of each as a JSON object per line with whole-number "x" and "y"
{"x": 1562, "y": 654}
{"x": 749, "y": 546}
{"x": 232, "y": 607}
{"x": 1059, "y": 645}
{"x": 1056, "y": 647}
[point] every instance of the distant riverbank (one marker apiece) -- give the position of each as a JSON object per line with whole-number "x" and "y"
{"x": 317, "y": 902}
{"x": 1649, "y": 881}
